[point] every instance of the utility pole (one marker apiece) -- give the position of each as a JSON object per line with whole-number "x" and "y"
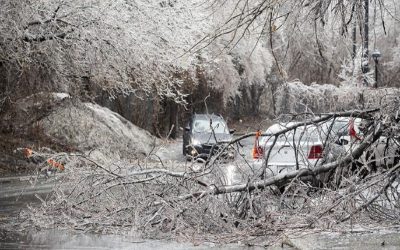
{"x": 354, "y": 34}
{"x": 365, "y": 66}
{"x": 376, "y": 55}
{"x": 354, "y": 41}
{"x": 354, "y": 38}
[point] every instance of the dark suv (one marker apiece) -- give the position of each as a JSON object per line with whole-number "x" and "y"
{"x": 202, "y": 133}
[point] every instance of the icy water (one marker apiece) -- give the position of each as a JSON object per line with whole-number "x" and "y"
{"x": 68, "y": 240}
{"x": 367, "y": 240}
{"x": 17, "y": 192}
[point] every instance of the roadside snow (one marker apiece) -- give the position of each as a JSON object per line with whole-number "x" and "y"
{"x": 61, "y": 96}
{"x": 97, "y": 131}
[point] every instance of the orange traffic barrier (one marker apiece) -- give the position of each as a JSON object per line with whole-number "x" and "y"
{"x": 257, "y": 151}
{"x": 28, "y": 152}
{"x": 55, "y": 164}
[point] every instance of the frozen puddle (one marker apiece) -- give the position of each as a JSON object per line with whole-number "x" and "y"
{"x": 347, "y": 240}
{"x": 66, "y": 240}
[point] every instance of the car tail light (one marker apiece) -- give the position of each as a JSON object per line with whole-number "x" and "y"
{"x": 316, "y": 152}
{"x": 258, "y": 152}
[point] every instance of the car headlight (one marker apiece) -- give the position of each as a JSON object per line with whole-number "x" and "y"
{"x": 195, "y": 142}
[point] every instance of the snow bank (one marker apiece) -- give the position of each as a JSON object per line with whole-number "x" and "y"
{"x": 61, "y": 96}
{"x": 96, "y": 131}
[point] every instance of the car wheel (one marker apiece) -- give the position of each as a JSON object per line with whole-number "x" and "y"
{"x": 184, "y": 152}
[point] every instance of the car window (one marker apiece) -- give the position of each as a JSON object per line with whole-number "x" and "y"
{"x": 301, "y": 134}
{"x": 203, "y": 126}
{"x": 310, "y": 134}
{"x": 340, "y": 128}
{"x": 313, "y": 133}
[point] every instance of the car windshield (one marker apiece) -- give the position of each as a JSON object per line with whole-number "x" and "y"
{"x": 340, "y": 128}
{"x": 310, "y": 134}
{"x": 302, "y": 133}
{"x": 203, "y": 126}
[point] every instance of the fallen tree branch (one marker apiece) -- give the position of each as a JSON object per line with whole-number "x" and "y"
{"x": 369, "y": 202}
{"x": 284, "y": 177}
{"x": 158, "y": 171}
{"x": 378, "y": 180}
{"x": 178, "y": 174}
{"x": 324, "y": 117}
{"x": 39, "y": 39}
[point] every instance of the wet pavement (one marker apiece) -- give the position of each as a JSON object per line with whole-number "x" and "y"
{"x": 369, "y": 240}
{"x": 68, "y": 240}
{"x": 17, "y": 192}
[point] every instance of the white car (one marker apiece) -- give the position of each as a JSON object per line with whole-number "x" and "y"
{"x": 303, "y": 147}
{"x": 307, "y": 146}
{"x": 384, "y": 152}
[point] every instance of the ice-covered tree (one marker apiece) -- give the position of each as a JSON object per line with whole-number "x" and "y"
{"x": 310, "y": 39}
{"x": 121, "y": 46}
{"x": 351, "y": 74}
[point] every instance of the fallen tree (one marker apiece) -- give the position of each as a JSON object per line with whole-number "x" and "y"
{"x": 176, "y": 201}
